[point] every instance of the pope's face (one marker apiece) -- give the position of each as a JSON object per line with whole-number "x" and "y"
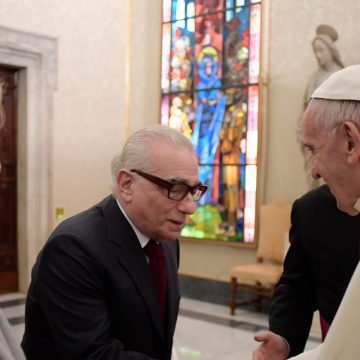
{"x": 330, "y": 161}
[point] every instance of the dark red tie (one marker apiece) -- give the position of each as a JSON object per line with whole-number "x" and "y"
{"x": 155, "y": 252}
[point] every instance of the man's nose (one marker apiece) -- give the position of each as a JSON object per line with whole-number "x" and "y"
{"x": 188, "y": 205}
{"x": 314, "y": 173}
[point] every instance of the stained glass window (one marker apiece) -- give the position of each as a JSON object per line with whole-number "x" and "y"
{"x": 210, "y": 92}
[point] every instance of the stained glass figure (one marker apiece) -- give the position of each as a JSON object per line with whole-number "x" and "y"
{"x": 210, "y": 92}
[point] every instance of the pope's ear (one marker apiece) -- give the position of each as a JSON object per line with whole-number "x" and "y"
{"x": 124, "y": 181}
{"x": 352, "y": 136}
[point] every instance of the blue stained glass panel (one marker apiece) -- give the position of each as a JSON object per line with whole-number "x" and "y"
{"x": 182, "y": 9}
{"x": 211, "y": 96}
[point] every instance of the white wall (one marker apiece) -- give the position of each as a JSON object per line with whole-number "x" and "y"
{"x": 101, "y": 96}
{"x": 89, "y": 102}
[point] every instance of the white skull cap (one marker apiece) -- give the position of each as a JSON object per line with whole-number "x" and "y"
{"x": 341, "y": 85}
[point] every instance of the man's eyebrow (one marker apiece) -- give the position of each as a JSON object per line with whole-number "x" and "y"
{"x": 177, "y": 180}
{"x": 180, "y": 180}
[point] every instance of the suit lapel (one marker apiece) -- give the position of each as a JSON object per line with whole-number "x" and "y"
{"x": 132, "y": 258}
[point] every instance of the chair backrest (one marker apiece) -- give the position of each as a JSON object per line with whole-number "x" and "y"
{"x": 274, "y": 225}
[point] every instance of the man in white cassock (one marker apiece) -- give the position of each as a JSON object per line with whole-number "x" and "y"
{"x": 331, "y": 132}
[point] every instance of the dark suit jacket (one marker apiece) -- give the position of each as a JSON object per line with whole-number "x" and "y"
{"x": 322, "y": 257}
{"x": 91, "y": 295}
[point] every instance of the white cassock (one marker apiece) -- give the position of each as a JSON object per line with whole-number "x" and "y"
{"x": 342, "y": 341}
{"x": 309, "y": 355}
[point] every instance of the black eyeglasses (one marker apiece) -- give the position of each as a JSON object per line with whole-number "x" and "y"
{"x": 176, "y": 190}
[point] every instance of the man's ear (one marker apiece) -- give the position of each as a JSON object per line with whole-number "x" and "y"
{"x": 124, "y": 181}
{"x": 352, "y": 136}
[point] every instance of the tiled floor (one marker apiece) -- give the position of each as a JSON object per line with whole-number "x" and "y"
{"x": 208, "y": 331}
{"x": 204, "y": 330}
{"x": 13, "y": 306}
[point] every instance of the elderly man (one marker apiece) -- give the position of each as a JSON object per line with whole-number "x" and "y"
{"x": 105, "y": 284}
{"x": 331, "y": 132}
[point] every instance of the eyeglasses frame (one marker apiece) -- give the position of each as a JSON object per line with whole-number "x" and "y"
{"x": 169, "y": 185}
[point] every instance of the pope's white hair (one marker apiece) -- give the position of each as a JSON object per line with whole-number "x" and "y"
{"x": 329, "y": 114}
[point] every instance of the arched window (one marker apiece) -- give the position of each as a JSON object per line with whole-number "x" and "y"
{"x": 210, "y": 92}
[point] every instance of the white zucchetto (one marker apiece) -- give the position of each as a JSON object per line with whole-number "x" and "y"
{"x": 341, "y": 85}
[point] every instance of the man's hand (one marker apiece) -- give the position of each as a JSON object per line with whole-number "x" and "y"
{"x": 273, "y": 347}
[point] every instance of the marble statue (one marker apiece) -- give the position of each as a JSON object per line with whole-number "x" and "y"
{"x": 329, "y": 61}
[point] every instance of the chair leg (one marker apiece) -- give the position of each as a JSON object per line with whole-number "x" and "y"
{"x": 258, "y": 296}
{"x": 233, "y": 289}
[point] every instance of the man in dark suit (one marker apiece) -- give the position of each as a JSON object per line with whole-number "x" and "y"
{"x": 93, "y": 293}
{"x": 322, "y": 257}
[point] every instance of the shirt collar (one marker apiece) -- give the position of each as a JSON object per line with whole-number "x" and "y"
{"x": 357, "y": 205}
{"x": 143, "y": 239}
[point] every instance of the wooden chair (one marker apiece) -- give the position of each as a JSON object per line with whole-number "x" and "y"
{"x": 260, "y": 278}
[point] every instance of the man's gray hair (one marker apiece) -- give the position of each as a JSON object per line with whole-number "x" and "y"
{"x": 329, "y": 114}
{"x": 135, "y": 153}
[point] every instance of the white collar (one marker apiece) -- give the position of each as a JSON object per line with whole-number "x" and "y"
{"x": 357, "y": 205}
